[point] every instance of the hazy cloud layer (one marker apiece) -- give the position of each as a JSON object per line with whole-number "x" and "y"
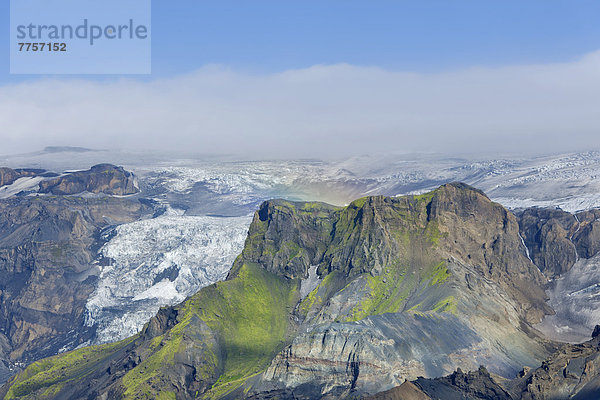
{"x": 318, "y": 111}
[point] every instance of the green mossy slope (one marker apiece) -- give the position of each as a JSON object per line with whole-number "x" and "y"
{"x": 46, "y": 377}
{"x": 247, "y": 313}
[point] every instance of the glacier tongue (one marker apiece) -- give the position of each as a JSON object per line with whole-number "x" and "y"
{"x": 158, "y": 262}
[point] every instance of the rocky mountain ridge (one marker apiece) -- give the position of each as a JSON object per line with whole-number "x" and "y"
{"x": 102, "y": 178}
{"x": 385, "y": 267}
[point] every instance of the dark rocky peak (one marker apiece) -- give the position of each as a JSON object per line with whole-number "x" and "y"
{"x": 464, "y": 201}
{"x": 102, "y": 178}
{"x": 406, "y": 391}
{"x": 475, "y": 385}
{"x": 485, "y": 235}
{"x": 460, "y": 189}
{"x": 587, "y": 237}
{"x": 547, "y": 234}
{"x": 537, "y": 216}
{"x": 165, "y": 319}
{"x": 108, "y": 169}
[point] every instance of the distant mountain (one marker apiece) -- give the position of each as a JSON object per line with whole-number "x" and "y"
{"x": 8, "y": 176}
{"x": 66, "y": 149}
{"x": 333, "y": 302}
{"x": 102, "y": 178}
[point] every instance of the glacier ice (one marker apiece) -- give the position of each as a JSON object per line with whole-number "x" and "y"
{"x": 157, "y": 262}
{"x": 20, "y": 185}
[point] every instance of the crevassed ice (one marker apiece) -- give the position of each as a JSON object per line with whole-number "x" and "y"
{"x": 239, "y": 178}
{"x": 160, "y": 262}
{"x": 570, "y": 204}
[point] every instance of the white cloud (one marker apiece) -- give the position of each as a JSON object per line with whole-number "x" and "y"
{"x": 318, "y": 111}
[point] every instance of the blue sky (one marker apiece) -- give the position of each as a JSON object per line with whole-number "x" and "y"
{"x": 414, "y": 35}
{"x": 268, "y": 36}
{"x": 331, "y": 78}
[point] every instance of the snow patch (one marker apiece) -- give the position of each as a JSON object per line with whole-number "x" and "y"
{"x": 20, "y": 185}
{"x": 309, "y": 284}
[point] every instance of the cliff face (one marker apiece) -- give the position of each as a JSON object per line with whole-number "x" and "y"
{"x": 47, "y": 250}
{"x": 287, "y": 237}
{"x": 327, "y": 301}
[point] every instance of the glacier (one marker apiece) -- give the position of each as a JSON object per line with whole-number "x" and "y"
{"x": 158, "y": 262}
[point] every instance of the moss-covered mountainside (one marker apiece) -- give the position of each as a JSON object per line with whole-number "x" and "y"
{"x": 328, "y": 301}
